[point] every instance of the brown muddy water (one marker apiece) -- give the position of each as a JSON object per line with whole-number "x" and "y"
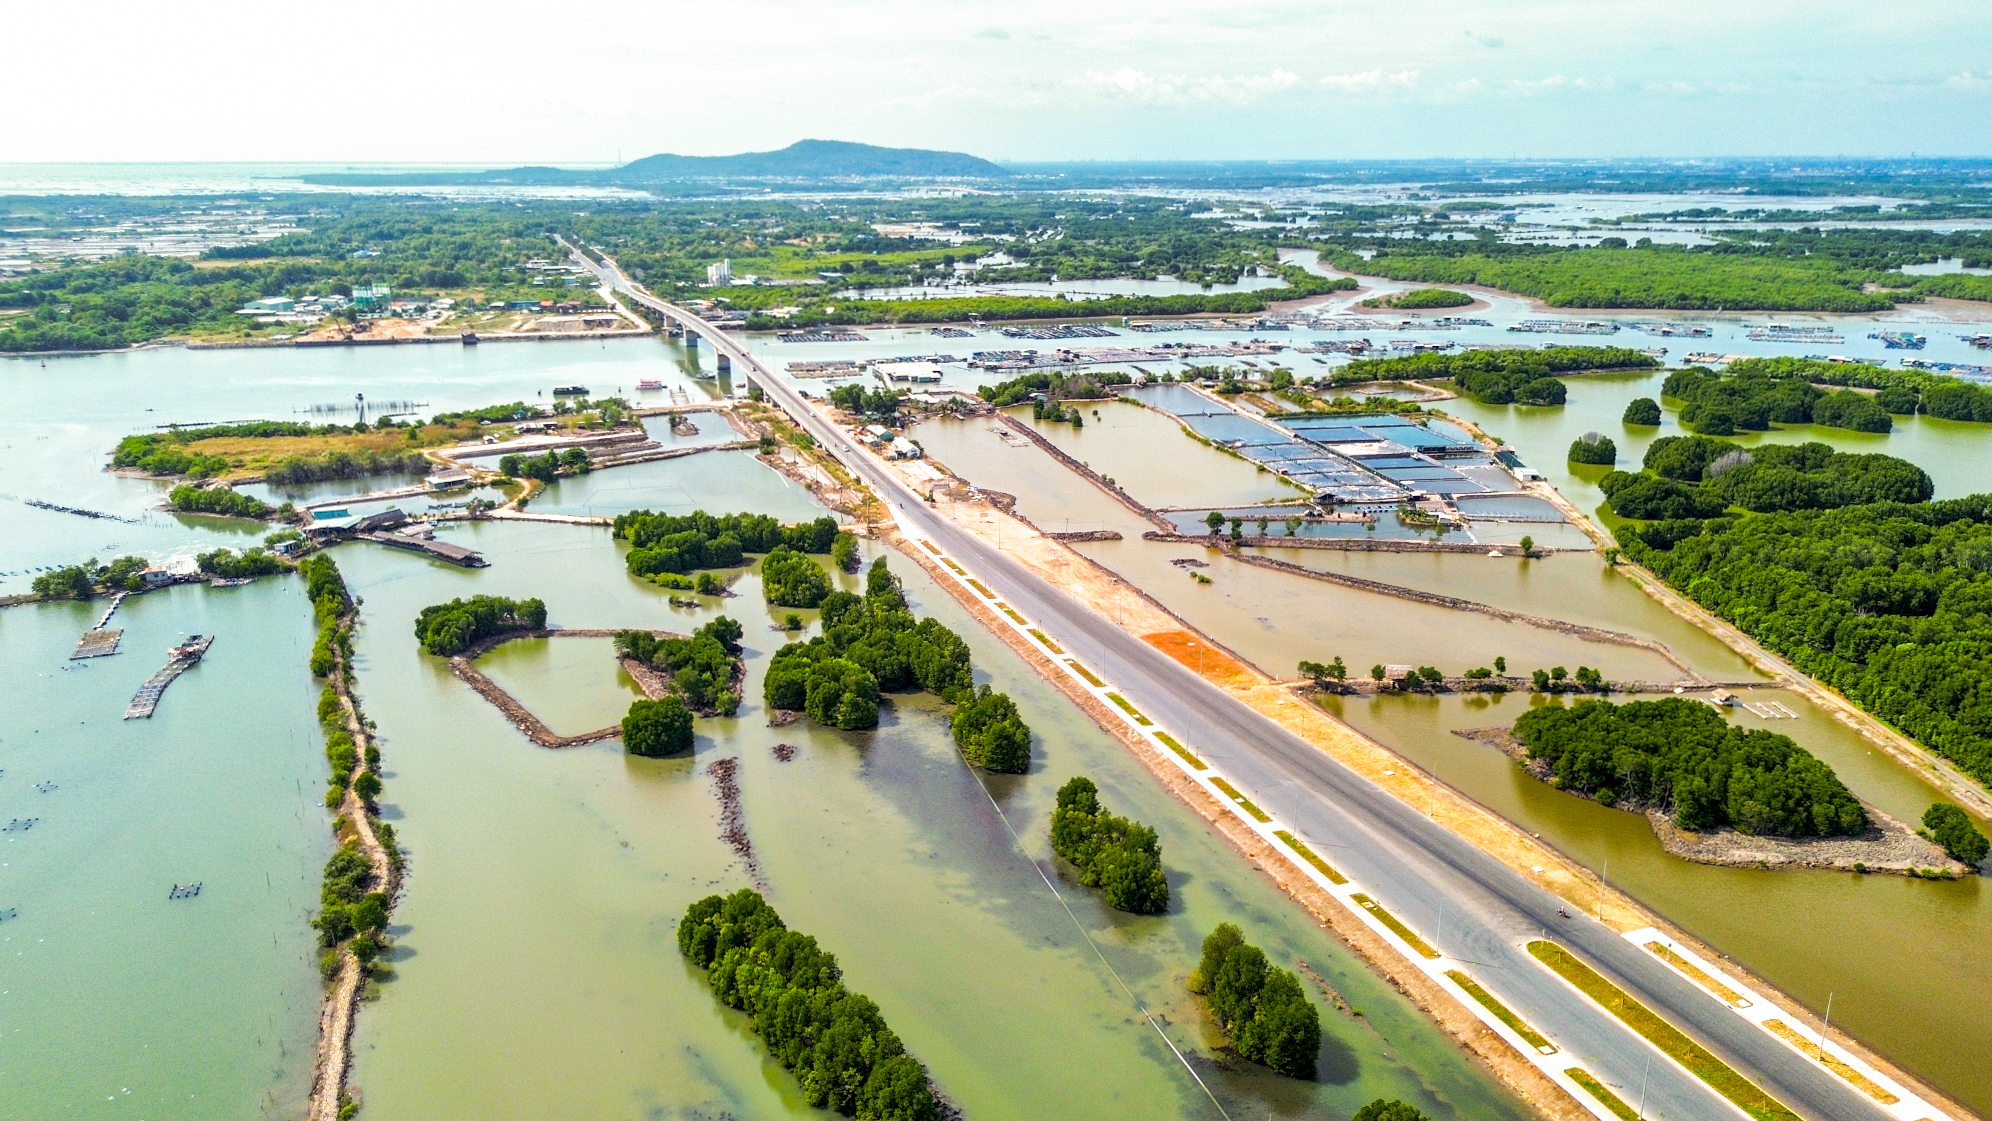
{"x": 1905, "y": 962}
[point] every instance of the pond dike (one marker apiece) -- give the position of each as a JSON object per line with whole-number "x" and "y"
{"x": 1576, "y": 630}
{"x": 1887, "y": 846}
{"x": 653, "y": 684}
{"x": 1090, "y": 475}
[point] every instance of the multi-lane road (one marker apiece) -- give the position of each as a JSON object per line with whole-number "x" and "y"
{"x": 1471, "y": 907}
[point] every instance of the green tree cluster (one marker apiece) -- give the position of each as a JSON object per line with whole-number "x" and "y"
{"x": 1500, "y": 377}
{"x": 869, "y": 643}
{"x": 991, "y": 734}
{"x": 81, "y": 581}
{"x": 1902, "y": 391}
{"x": 1420, "y": 298}
{"x": 844, "y": 552}
{"x": 1259, "y": 1005}
{"x": 329, "y": 604}
{"x": 659, "y": 727}
{"x": 1643, "y": 411}
{"x": 1951, "y": 827}
{"x": 1092, "y": 385}
{"x": 229, "y": 564}
{"x": 834, "y": 1040}
{"x": 1393, "y": 1110}
{"x": 682, "y": 543}
{"x": 299, "y": 469}
{"x": 791, "y": 579}
{"x": 880, "y": 406}
{"x": 547, "y": 467}
{"x": 1119, "y": 856}
{"x": 1681, "y": 756}
{"x": 1594, "y": 448}
{"x": 1693, "y": 477}
{"x": 1890, "y": 604}
{"x": 352, "y": 908}
{"x": 1649, "y": 277}
{"x": 703, "y": 667}
{"x": 1722, "y": 405}
{"x": 218, "y": 500}
{"x": 451, "y": 628}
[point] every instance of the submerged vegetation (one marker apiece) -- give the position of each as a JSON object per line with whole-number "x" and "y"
{"x": 1890, "y": 603}
{"x": 1264, "y": 1011}
{"x": 1682, "y": 757}
{"x": 833, "y": 1040}
{"x": 1119, "y": 856}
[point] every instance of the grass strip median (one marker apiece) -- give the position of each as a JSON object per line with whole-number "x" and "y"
{"x": 977, "y": 585}
{"x": 1719, "y": 1075}
{"x": 1597, "y": 1089}
{"x": 1502, "y": 1012}
{"x": 958, "y": 570}
{"x": 1666, "y": 953}
{"x": 931, "y": 547}
{"x": 1169, "y": 742}
{"x": 1048, "y": 643}
{"x": 1396, "y": 927}
{"x": 1124, "y": 706}
{"x": 1082, "y": 671}
{"x": 1014, "y": 617}
{"x": 1308, "y": 855}
{"x": 1812, "y": 1050}
{"x": 1244, "y": 803}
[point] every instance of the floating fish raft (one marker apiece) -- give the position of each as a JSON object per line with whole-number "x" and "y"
{"x": 178, "y": 660}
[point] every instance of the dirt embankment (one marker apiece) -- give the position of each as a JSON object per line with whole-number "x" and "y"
{"x": 1887, "y": 846}
{"x": 336, "y": 1014}
{"x": 653, "y": 684}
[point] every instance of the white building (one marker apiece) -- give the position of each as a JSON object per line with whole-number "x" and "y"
{"x": 721, "y": 273}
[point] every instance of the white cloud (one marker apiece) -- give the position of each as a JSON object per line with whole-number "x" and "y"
{"x": 1131, "y": 84}
{"x": 1371, "y": 80}
{"x": 1969, "y": 81}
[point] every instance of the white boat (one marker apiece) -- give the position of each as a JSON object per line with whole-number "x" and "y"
{"x": 650, "y": 383}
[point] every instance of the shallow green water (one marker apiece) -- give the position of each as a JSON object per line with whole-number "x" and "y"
{"x": 538, "y": 973}
{"x": 116, "y": 1001}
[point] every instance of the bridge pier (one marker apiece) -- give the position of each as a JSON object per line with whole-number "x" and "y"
{"x": 725, "y": 363}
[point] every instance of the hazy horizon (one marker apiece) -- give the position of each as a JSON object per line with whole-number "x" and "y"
{"x": 1030, "y": 83}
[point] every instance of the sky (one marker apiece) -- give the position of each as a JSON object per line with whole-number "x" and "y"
{"x": 504, "y": 83}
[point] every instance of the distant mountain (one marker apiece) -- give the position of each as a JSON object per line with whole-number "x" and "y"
{"x": 803, "y": 160}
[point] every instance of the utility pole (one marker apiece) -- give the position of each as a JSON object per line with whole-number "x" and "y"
{"x": 1827, "y": 1024}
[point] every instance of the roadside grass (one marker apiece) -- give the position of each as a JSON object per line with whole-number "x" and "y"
{"x": 1665, "y": 953}
{"x": 1502, "y": 1012}
{"x": 1719, "y": 1075}
{"x": 1244, "y": 803}
{"x": 1311, "y": 857}
{"x": 1046, "y": 642}
{"x": 984, "y": 592}
{"x": 1811, "y": 1049}
{"x": 1122, "y": 703}
{"x": 1169, "y": 741}
{"x": 1612, "y": 1101}
{"x": 1085, "y": 673}
{"x": 1396, "y": 926}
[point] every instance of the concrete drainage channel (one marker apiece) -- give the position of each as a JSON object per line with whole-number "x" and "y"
{"x": 1447, "y": 974}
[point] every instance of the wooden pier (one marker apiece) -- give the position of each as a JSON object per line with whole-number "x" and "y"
{"x": 179, "y": 660}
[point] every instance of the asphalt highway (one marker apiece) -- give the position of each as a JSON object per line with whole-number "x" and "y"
{"x": 1472, "y": 908}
